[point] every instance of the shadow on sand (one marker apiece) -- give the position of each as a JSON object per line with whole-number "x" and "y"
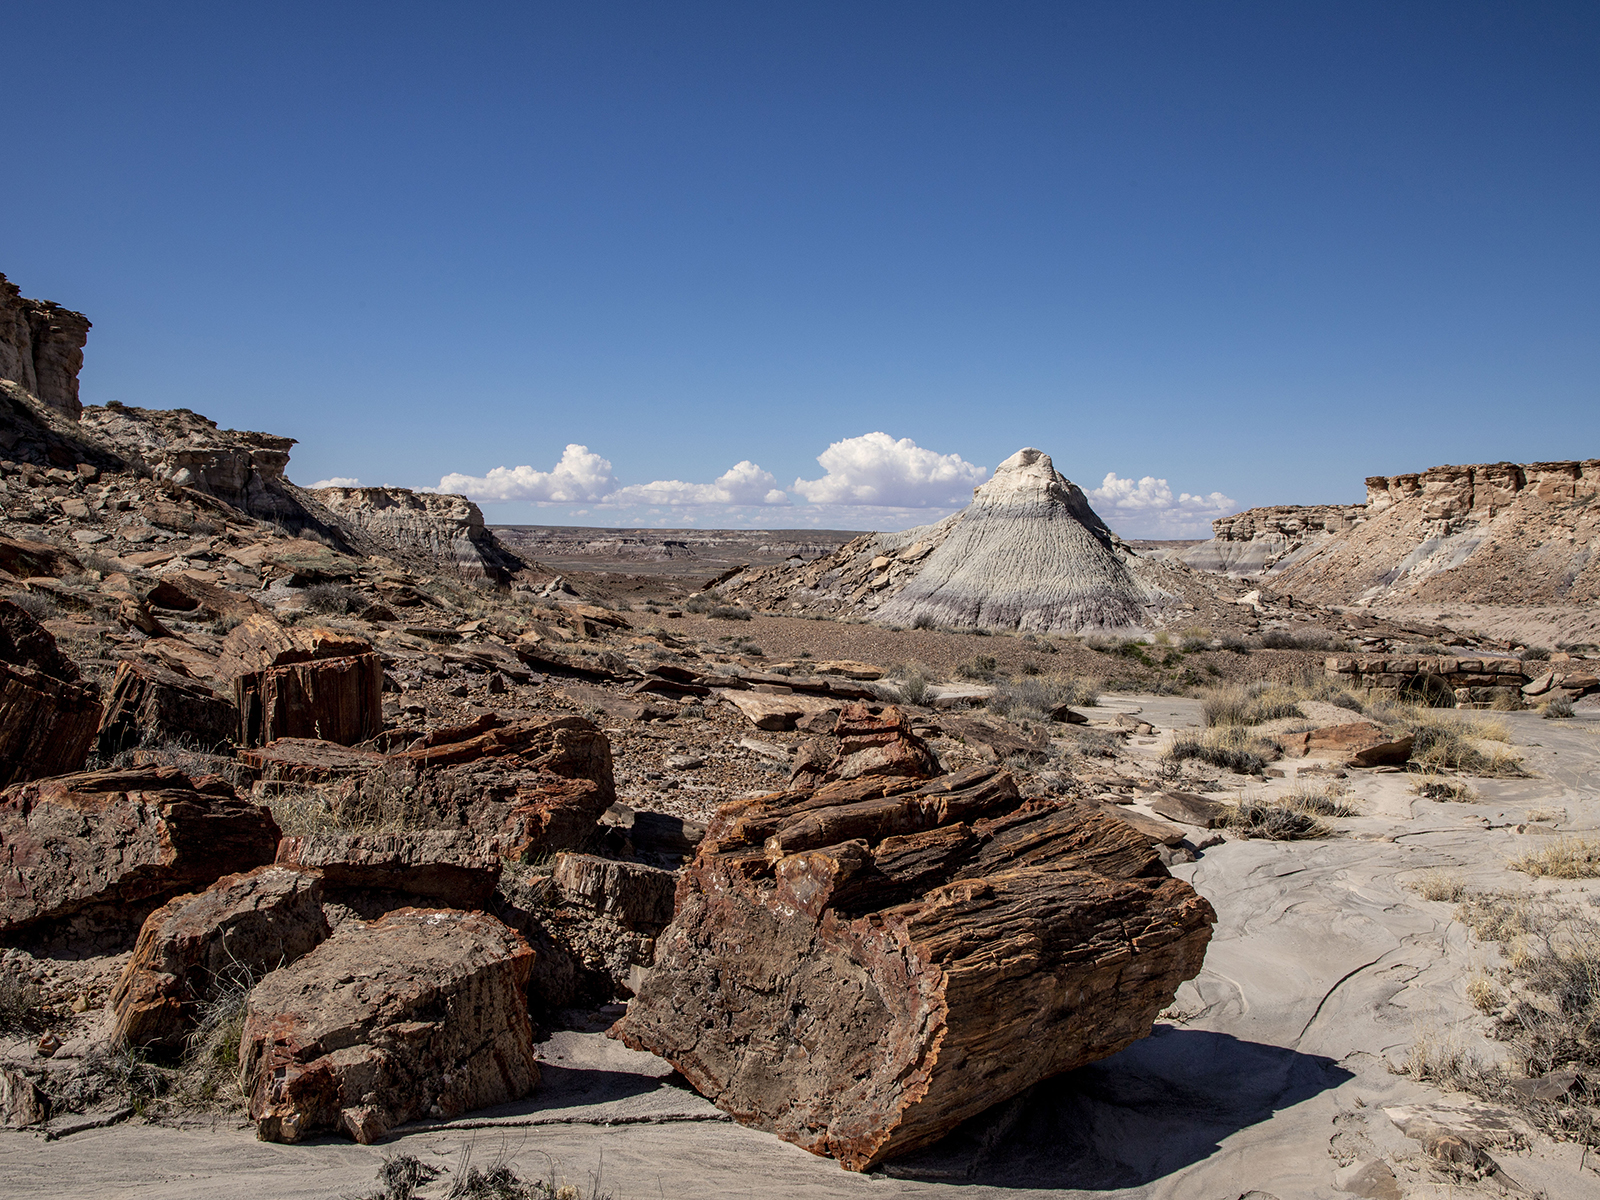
{"x": 1162, "y": 1104}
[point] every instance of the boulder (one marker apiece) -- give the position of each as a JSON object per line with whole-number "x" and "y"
{"x": 604, "y": 916}
{"x": 120, "y": 842}
{"x": 1191, "y": 809}
{"x": 1385, "y": 754}
{"x": 21, "y": 1102}
{"x": 150, "y": 703}
{"x": 444, "y": 865}
{"x": 48, "y": 717}
{"x": 1331, "y": 741}
{"x": 879, "y": 745}
{"x": 860, "y": 968}
{"x": 421, "y": 1013}
{"x": 334, "y": 699}
{"x": 774, "y": 712}
{"x": 997, "y": 741}
{"x": 194, "y": 948}
{"x": 1158, "y": 832}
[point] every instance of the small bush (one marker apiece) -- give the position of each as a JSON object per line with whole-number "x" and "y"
{"x": 1277, "y": 821}
{"x": 1306, "y": 639}
{"x": 329, "y": 599}
{"x": 730, "y": 612}
{"x": 1446, "y": 742}
{"x": 1441, "y": 885}
{"x": 1320, "y": 800}
{"x": 19, "y": 1005}
{"x": 1034, "y": 697}
{"x": 1535, "y": 654}
{"x": 1250, "y": 705}
{"x": 1564, "y": 858}
{"x": 37, "y": 605}
{"x": 698, "y": 604}
{"x": 980, "y": 667}
{"x": 1229, "y": 748}
{"x": 1559, "y": 709}
{"x": 1436, "y": 788}
{"x": 926, "y": 621}
{"x": 1483, "y": 993}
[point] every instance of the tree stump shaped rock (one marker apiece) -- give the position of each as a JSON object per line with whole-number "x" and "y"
{"x": 860, "y": 968}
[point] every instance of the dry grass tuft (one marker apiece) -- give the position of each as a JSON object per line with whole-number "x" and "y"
{"x": 1230, "y": 747}
{"x": 1437, "y": 787}
{"x": 1250, "y": 705}
{"x": 1441, "y": 885}
{"x": 1563, "y": 858}
{"x": 1448, "y": 742}
{"x": 1320, "y": 800}
{"x": 1276, "y": 821}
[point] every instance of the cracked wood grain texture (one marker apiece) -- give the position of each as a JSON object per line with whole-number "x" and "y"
{"x": 861, "y": 968}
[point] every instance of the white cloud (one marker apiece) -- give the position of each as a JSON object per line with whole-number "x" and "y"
{"x": 337, "y": 481}
{"x": 1147, "y": 506}
{"x": 876, "y": 470}
{"x": 581, "y": 476}
{"x": 743, "y": 483}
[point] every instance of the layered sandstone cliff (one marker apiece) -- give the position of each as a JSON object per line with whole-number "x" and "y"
{"x": 448, "y": 528}
{"x": 1484, "y": 533}
{"x": 41, "y": 347}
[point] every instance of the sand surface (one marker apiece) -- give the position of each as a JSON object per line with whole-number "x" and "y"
{"x": 1271, "y": 1075}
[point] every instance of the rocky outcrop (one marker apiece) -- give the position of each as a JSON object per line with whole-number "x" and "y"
{"x": 1487, "y": 533}
{"x": 1442, "y": 680}
{"x": 196, "y": 947}
{"x": 48, "y": 716}
{"x": 120, "y": 843}
{"x": 292, "y": 682}
{"x": 862, "y": 967}
{"x": 1261, "y": 540}
{"x": 41, "y": 348}
{"x": 421, "y": 1013}
{"x": 447, "y": 528}
{"x": 150, "y": 703}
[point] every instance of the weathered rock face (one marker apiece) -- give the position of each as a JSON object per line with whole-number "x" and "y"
{"x": 1488, "y": 533}
{"x": 860, "y": 968}
{"x": 41, "y": 348}
{"x": 447, "y": 866}
{"x": 1271, "y": 538}
{"x": 879, "y": 745}
{"x": 301, "y": 683}
{"x": 424, "y": 1012}
{"x": 188, "y": 450}
{"x": 120, "y": 842}
{"x": 48, "y": 718}
{"x": 195, "y": 947}
{"x": 444, "y": 527}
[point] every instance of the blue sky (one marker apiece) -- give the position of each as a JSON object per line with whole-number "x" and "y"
{"x": 1257, "y": 251}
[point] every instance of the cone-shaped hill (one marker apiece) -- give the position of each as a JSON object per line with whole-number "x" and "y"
{"x": 1028, "y": 553}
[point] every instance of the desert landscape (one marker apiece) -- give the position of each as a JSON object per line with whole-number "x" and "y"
{"x": 352, "y": 846}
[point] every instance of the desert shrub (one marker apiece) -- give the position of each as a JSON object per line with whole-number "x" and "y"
{"x": 1235, "y": 643}
{"x": 1563, "y": 858}
{"x": 211, "y": 1058}
{"x": 1535, "y": 654}
{"x": 1250, "y": 705}
{"x": 1483, "y": 993}
{"x": 1320, "y": 800}
{"x": 1346, "y": 700}
{"x": 19, "y": 1004}
{"x": 1035, "y": 696}
{"x": 979, "y": 667}
{"x": 1434, "y": 787}
{"x": 730, "y": 612}
{"x": 1441, "y": 885}
{"x": 1275, "y": 820}
{"x": 1446, "y": 742}
{"x": 913, "y": 685}
{"x": 328, "y": 598}
{"x": 1305, "y": 639}
{"x": 1558, "y": 709}
{"x": 37, "y": 605}
{"x": 1229, "y": 747}
{"x": 698, "y": 604}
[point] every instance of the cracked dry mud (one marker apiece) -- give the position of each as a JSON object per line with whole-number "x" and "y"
{"x": 1272, "y": 1074}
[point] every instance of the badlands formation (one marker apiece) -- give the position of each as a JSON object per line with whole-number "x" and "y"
{"x": 346, "y": 847}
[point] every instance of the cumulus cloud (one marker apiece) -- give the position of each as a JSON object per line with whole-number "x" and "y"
{"x": 743, "y": 483}
{"x": 337, "y": 481}
{"x": 1148, "y": 505}
{"x": 876, "y": 470}
{"x": 580, "y": 477}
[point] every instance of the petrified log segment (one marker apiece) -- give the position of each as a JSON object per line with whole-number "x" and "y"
{"x": 335, "y": 699}
{"x": 194, "y": 947}
{"x": 860, "y": 968}
{"x": 879, "y": 745}
{"x": 48, "y": 717}
{"x": 152, "y": 704}
{"x": 421, "y": 1013}
{"x": 445, "y": 865}
{"x": 129, "y": 839}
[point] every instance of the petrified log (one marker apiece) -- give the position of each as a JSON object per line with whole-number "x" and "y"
{"x": 194, "y": 947}
{"x": 48, "y": 717}
{"x": 879, "y": 745}
{"x": 123, "y": 841}
{"x": 421, "y": 1013}
{"x": 860, "y": 968}
{"x": 335, "y": 699}
{"x": 445, "y": 865}
{"x": 308, "y": 761}
{"x": 152, "y": 704}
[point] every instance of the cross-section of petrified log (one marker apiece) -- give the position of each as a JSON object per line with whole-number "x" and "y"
{"x": 860, "y": 968}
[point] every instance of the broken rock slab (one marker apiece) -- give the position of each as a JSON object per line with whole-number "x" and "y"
{"x": 422, "y": 1013}
{"x": 775, "y": 713}
{"x": 194, "y": 948}
{"x": 120, "y": 842}
{"x": 861, "y": 967}
{"x": 449, "y": 866}
{"x": 150, "y": 703}
{"x": 48, "y": 715}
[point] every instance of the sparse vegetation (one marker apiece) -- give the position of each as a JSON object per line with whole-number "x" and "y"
{"x": 1559, "y": 709}
{"x": 19, "y": 1005}
{"x": 1447, "y": 742}
{"x": 1320, "y": 800}
{"x": 1229, "y": 747}
{"x": 329, "y": 599}
{"x": 1303, "y": 639}
{"x": 1436, "y": 787}
{"x": 1563, "y": 858}
{"x": 37, "y": 605}
{"x": 1034, "y": 697}
{"x": 980, "y": 667}
{"x": 1441, "y": 885}
{"x": 730, "y": 612}
{"x": 1250, "y": 705}
{"x": 1276, "y": 820}
{"x": 1535, "y": 654}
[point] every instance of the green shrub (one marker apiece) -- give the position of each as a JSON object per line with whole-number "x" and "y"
{"x": 730, "y": 612}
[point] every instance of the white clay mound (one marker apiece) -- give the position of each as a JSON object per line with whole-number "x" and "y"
{"x": 1028, "y": 553}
